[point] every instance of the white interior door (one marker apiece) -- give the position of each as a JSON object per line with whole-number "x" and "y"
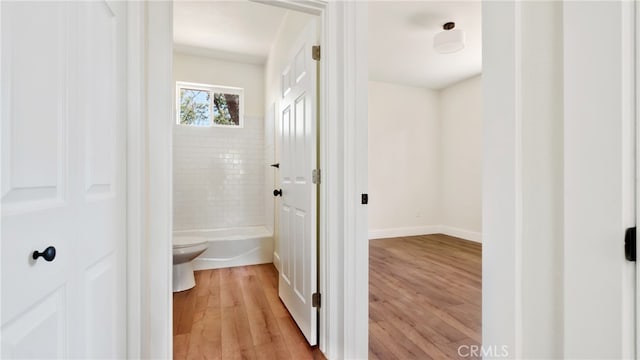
{"x": 63, "y": 179}
{"x": 298, "y": 247}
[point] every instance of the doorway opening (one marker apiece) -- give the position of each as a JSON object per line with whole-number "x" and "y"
{"x": 240, "y": 102}
{"x": 425, "y": 172}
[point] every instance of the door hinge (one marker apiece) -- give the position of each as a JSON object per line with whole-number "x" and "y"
{"x": 630, "y": 244}
{"x": 315, "y": 52}
{"x": 315, "y": 300}
{"x": 316, "y": 176}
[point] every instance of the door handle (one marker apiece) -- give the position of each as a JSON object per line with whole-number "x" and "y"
{"x": 276, "y": 165}
{"x": 48, "y": 254}
{"x": 277, "y": 192}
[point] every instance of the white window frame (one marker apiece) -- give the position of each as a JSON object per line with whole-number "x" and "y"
{"x": 213, "y": 89}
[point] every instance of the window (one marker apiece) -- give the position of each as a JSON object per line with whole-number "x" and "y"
{"x": 209, "y": 105}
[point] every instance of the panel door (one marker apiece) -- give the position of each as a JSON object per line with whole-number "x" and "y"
{"x": 298, "y": 221}
{"x": 63, "y": 179}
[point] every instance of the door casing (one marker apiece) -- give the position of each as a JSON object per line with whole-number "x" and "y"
{"x": 343, "y": 108}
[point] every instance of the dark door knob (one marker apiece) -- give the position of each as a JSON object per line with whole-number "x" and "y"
{"x": 276, "y": 165}
{"x": 48, "y": 254}
{"x": 277, "y": 192}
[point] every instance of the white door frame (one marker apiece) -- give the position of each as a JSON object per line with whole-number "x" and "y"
{"x": 343, "y": 150}
{"x": 149, "y": 188}
{"x": 343, "y": 235}
{"x": 0, "y": 177}
{"x": 636, "y": 183}
{"x": 135, "y": 174}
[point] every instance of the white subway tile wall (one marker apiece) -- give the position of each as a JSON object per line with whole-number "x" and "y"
{"x": 218, "y": 176}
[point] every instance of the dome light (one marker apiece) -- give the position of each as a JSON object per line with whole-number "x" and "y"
{"x": 449, "y": 40}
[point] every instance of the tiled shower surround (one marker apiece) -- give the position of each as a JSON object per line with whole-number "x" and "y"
{"x": 218, "y": 177}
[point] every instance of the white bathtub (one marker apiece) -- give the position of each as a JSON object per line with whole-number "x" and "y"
{"x": 232, "y": 247}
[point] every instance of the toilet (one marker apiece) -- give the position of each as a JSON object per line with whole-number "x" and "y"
{"x": 185, "y": 249}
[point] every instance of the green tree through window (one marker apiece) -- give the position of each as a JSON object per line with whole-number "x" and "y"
{"x": 226, "y": 109}
{"x": 206, "y": 105}
{"x": 194, "y": 107}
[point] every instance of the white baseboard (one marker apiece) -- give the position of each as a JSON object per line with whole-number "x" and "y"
{"x": 405, "y": 231}
{"x": 276, "y": 261}
{"x": 425, "y": 230}
{"x": 461, "y": 233}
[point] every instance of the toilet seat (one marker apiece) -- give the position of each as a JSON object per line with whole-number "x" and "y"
{"x": 181, "y": 242}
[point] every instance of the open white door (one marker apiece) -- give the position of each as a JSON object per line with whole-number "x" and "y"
{"x": 63, "y": 179}
{"x": 298, "y": 215}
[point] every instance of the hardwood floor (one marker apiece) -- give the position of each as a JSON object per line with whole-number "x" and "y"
{"x": 424, "y": 297}
{"x": 235, "y": 313}
{"x": 424, "y": 302}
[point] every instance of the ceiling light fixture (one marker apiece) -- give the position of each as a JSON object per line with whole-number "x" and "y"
{"x": 450, "y": 40}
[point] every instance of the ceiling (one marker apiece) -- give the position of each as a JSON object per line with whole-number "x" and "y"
{"x": 401, "y": 42}
{"x": 226, "y": 28}
{"x": 400, "y": 36}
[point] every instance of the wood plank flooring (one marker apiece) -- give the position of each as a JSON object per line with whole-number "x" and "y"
{"x": 235, "y": 313}
{"x": 424, "y": 302}
{"x": 424, "y": 297}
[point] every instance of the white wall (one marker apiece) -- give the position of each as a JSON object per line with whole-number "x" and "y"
{"x": 425, "y": 160}
{"x": 404, "y": 158}
{"x": 291, "y": 26}
{"x": 218, "y": 173}
{"x": 461, "y": 164}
